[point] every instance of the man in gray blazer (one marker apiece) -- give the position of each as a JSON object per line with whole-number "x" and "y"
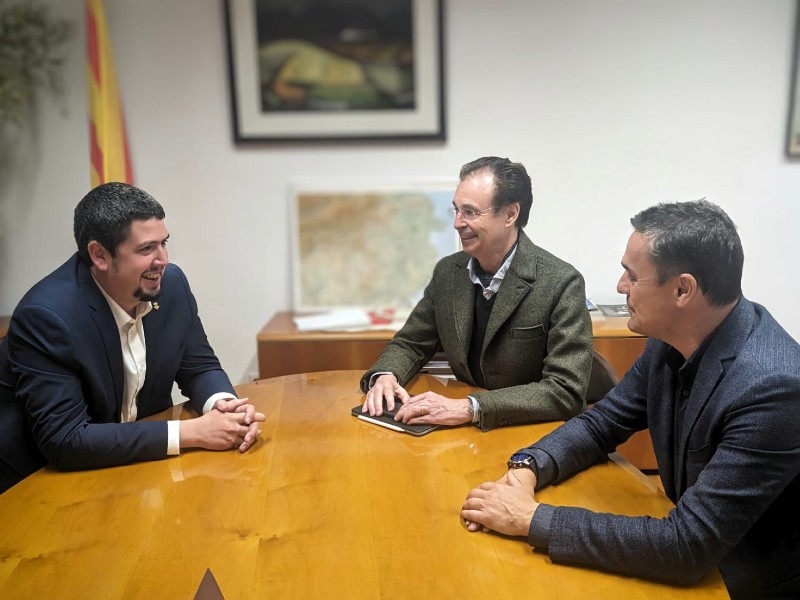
{"x": 510, "y": 317}
{"x": 718, "y": 385}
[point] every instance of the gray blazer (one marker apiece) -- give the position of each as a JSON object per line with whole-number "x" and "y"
{"x": 734, "y": 472}
{"x": 537, "y": 353}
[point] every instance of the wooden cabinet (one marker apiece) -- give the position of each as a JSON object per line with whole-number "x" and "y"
{"x": 282, "y": 350}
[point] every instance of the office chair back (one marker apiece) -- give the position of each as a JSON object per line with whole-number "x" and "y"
{"x": 603, "y": 377}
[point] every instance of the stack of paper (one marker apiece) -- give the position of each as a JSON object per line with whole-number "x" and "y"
{"x": 334, "y": 320}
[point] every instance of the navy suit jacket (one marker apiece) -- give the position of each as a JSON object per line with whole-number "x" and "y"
{"x": 61, "y": 375}
{"x": 733, "y": 472}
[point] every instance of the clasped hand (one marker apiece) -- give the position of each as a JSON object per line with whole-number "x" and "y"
{"x": 230, "y": 424}
{"x": 505, "y": 506}
{"x": 425, "y": 408}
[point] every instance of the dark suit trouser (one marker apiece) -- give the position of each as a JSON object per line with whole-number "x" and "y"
{"x": 9, "y": 476}
{"x": 18, "y": 457}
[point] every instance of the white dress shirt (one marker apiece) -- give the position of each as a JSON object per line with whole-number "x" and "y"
{"x": 134, "y": 363}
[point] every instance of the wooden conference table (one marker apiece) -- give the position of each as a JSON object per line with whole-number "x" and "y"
{"x": 283, "y": 350}
{"x": 324, "y": 506}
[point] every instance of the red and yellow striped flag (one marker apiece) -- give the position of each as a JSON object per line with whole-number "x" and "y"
{"x": 108, "y": 140}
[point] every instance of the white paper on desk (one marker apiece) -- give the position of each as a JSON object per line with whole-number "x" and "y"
{"x": 334, "y": 320}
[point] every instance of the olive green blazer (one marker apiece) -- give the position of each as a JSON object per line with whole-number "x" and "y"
{"x": 537, "y": 353}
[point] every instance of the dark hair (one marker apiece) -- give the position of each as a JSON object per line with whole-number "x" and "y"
{"x": 698, "y": 238}
{"x": 511, "y": 184}
{"x": 105, "y": 215}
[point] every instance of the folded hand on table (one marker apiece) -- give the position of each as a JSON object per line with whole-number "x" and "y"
{"x": 435, "y": 409}
{"x": 230, "y": 424}
{"x": 505, "y": 506}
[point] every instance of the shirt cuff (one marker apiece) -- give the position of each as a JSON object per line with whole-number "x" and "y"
{"x": 476, "y": 409}
{"x": 173, "y": 438}
{"x": 213, "y": 399}
{"x": 374, "y": 376}
{"x": 539, "y": 530}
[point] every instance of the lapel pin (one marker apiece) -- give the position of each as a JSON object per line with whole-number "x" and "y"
{"x": 156, "y": 306}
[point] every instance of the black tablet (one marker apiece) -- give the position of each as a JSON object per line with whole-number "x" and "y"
{"x": 387, "y": 420}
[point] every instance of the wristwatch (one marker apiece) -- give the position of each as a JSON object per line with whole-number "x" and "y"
{"x": 520, "y": 461}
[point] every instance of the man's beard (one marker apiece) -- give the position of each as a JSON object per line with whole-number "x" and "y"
{"x": 143, "y": 296}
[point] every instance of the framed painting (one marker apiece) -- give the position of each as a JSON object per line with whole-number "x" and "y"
{"x": 335, "y": 69}
{"x": 793, "y": 129}
{"x": 369, "y": 245}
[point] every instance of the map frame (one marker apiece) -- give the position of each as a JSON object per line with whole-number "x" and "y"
{"x": 323, "y": 240}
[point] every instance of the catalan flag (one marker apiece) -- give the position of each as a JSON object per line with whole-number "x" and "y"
{"x": 108, "y": 140}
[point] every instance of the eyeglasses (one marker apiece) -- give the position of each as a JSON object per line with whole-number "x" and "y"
{"x": 468, "y": 213}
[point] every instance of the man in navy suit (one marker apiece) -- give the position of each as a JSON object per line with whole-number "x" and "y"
{"x": 718, "y": 385}
{"x": 97, "y": 345}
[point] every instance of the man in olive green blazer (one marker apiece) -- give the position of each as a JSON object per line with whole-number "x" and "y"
{"x": 510, "y": 316}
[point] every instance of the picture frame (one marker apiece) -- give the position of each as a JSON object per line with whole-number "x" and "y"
{"x": 368, "y": 243}
{"x": 793, "y": 126}
{"x": 314, "y": 70}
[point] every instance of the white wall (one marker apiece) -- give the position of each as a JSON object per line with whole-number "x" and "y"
{"x": 613, "y": 106}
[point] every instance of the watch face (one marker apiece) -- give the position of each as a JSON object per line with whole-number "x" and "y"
{"x": 519, "y": 461}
